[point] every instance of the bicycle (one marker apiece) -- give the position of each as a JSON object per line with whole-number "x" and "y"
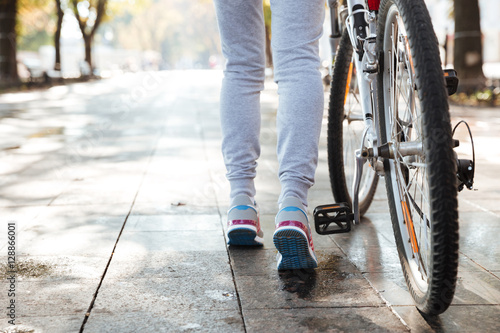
{"x": 388, "y": 116}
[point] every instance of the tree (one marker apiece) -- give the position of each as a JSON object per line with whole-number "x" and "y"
{"x": 267, "y": 22}
{"x": 8, "y": 61}
{"x": 89, "y": 14}
{"x": 57, "y": 35}
{"x": 468, "y": 51}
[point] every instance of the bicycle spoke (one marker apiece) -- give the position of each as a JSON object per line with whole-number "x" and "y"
{"x": 425, "y": 235}
{"x": 405, "y": 127}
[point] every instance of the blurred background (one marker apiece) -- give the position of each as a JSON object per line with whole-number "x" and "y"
{"x": 74, "y": 38}
{"x": 45, "y": 42}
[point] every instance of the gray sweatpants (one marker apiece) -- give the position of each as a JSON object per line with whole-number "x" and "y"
{"x": 296, "y": 28}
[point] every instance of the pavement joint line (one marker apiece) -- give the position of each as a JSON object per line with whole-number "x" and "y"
{"x": 481, "y": 208}
{"x": 492, "y": 273}
{"x": 240, "y": 307}
{"x": 324, "y": 307}
{"x": 452, "y": 305}
{"x": 86, "y": 204}
{"x": 379, "y": 294}
{"x": 473, "y": 304}
{"x": 89, "y": 310}
{"x": 202, "y": 137}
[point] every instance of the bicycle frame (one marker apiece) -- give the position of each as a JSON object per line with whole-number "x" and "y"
{"x": 361, "y": 23}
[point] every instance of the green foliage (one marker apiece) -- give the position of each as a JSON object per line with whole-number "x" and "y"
{"x": 35, "y": 39}
{"x": 267, "y": 13}
{"x": 31, "y": 4}
{"x": 485, "y": 97}
{"x": 35, "y": 23}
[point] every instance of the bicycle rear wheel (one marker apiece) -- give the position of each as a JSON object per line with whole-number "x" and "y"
{"x": 421, "y": 177}
{"x": 345, "y": 129}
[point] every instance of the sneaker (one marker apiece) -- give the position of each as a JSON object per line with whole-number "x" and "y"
{"x": 293, "y": 238}
{"x": 243, "y": 226}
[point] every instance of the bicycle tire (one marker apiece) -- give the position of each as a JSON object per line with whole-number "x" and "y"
{"x": 426, "y": 235}
{"x": 345, "y": 136}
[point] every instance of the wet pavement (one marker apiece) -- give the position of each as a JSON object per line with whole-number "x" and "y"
{"x": 118, "y": 194}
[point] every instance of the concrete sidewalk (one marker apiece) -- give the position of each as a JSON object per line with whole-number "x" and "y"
{"x": 119, "y": 199}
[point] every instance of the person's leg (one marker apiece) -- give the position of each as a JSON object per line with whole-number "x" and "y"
{"x": 297, "y": 26}
{"x": 241, "y": 26}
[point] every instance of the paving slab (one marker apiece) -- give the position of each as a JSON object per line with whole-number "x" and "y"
{"x": 262, "y": 261}
{"x": 68, "y": 229}
{"x": 370, "y": 251}
{"x": 156, "y": 295}
{"x": 473, "y": 318}
{"x": 47, "y": 324}
{"x": 59, "y": 268}
{"x": 473, "y": 288}
{"x": 79, "y": 218}
{"x": 192, "y": 192}
{"x": 182, "y": 240}
{"x": 22, "y": 216}
{"x": 29, "y": 192}
{"x": 47, "y": 298}
{"x": 105, "y": 191}
{"x": 370, "y": 319}
{"x": 172, "y": 208}
{"x": 480, "y": 243}
{"x": 171, "y": 320}
{"x": 53, "y": 293}
{"x": 306, "y": 290}
{"x": 335, "y": 283}
{"x": 168, "y": 264}
{"x": 173, "y": 222}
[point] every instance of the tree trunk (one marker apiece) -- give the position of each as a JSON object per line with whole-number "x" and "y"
{"x": 88, "y": 50}
{"x": 8, "y": 60}
{"x": 57, "y": 36}
{"x": 88, "y": 36}
{"x": 269, "y": 54}
{"x": 267, "y": 23}
{"x": 468, "y": 51}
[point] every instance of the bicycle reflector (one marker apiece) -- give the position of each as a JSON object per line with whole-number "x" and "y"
{"x": 451, "y": 78}
{"x": 333, "y": 219}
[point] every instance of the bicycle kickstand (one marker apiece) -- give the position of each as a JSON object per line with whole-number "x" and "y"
{"x": 358, "y": 172}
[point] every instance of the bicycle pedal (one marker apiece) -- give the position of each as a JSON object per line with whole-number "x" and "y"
{"x": 451, "y": 78}
{"x": 333, "y": 219}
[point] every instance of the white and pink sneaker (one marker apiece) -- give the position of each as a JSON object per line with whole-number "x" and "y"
{"x": 293, "y": 238}
{"x": 243, "y": 226}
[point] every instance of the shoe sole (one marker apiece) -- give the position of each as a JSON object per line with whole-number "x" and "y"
{"x": 294, "y": 250}
{"x": 243, "y": 236}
